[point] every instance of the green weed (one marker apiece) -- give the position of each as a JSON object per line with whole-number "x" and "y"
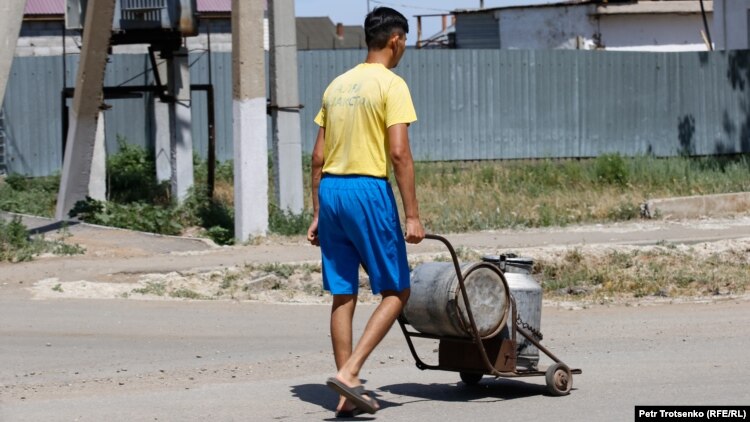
{"x": 151, "y": 288}
{"x": 131, "y": 173}
{"x": 187, "y": 294}
{"x": 656, "y": 272}
{"x": 16, "y": 245}
{"x": 453, "y": 196}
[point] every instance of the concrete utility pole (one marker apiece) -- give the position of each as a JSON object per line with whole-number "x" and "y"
{"x": 179, "y": 124}
{"x": 79, "y": 150}
{"x": 163, "y": 135}
{"x": 285, "y": 125}
{"x": 98, "y": 175}
{"x": 11, "y": 16}
{"x": 249, "y": 120}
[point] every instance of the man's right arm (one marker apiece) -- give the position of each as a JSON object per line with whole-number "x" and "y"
{"x": 316, "y": 174}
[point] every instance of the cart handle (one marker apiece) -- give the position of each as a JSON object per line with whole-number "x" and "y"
{"x": 454, "y": 256}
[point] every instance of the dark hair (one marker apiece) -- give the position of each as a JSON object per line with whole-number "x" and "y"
{"x": 380, "y": 24}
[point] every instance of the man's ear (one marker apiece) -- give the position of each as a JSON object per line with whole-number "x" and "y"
{"x": 393, "y": 40}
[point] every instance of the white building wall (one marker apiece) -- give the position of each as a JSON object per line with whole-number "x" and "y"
{"x": 542, "y": 28}
{"x": 731, "y": 19}
{"x": 580, "y": 27}
{"x": 663, "y": 32}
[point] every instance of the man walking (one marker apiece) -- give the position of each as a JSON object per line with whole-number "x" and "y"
{"x": 363, "y": 123}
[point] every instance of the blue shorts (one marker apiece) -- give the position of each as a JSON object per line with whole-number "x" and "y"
{"x": 358, "y": 224}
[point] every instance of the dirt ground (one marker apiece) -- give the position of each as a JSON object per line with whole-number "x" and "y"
{"x": 130, "y": 265}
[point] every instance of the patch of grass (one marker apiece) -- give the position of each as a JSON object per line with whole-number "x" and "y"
{"x": 184, "y": 293}
{"x": 471, "y": 196}
{"x": 133, "y": 216}
{"x": 453, "y": 196}
{"x": 611, "y": 169}
{"x": 277, "y": 269}
{"x": 25, "y": 195}
{"x": 62, "y": 248}
{"x": 16, "y": 245}
{"x": 57, "y": 288}
{"x": 131, "y": 176}
{"x": 229, "y": 281}
{"x": 281, "y": 271}
{"x": 152, "y": 288}
{"x": 287, "y": 224}
{"x": 659, "y": 271}
{"x": 215, "y": 215}
{"x": 308, "y": 269}
{"x": 314, "y": 289}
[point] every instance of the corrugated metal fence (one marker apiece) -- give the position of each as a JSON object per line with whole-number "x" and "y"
{"x": 2, "y": 143}
{"x": 472, "y": 104}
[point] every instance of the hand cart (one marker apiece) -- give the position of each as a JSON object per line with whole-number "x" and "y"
{"x": 474, "y": 357}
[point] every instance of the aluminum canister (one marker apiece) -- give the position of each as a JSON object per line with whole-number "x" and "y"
{"x": 527, "y": 293}
{"x": 436, "y": 305}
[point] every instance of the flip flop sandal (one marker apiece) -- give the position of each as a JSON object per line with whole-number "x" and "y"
{"x": 353, "y": 413}
{"x": 357, "y": 395}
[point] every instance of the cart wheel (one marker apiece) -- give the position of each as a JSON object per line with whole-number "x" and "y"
{"x": 471, "y": 378}
{"x": 559, "y": 379}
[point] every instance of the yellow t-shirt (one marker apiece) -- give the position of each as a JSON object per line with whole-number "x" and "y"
{"x": 357, "y": 109}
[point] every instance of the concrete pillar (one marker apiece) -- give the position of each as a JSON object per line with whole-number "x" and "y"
{"x": 98, "y": 177}
{"x": 285, "y": 124}
{"x": 79, "y": 150}
{"x": 163, "y": 135}
{"x": 181, "y": 145}
{"x": 11, "y": 16}
{"x": 249, "y": 120}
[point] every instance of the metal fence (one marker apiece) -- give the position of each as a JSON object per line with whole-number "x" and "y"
{"x": 472, "y": 104}
{"x": 2, "y": 142}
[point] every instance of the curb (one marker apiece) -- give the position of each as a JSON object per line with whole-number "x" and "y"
{"x": 697, "y": 206}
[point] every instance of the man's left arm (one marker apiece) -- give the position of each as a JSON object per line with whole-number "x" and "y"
{"x": 403, "y": 168}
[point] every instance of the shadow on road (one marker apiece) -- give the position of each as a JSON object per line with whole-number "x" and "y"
{"x": 500, "y": 389}
{"x": 51, "y": 227}
{"x": 323, "y": 396}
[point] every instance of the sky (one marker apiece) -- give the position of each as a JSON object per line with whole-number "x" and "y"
{"x": 352, "y": 12}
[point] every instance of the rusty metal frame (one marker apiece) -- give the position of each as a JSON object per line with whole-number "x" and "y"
{"x": 475, "y": 338}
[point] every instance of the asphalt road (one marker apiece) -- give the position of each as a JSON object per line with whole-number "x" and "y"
{"x": 135, "y": 360}
{"x": 125, "y": 360}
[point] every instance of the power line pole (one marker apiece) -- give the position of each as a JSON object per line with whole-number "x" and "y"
{"x": 180, "y": 134}
{"x": 87, "y": 101}
{"x": 249, "y": 120}
{"x": 285, "y": 125}
{"x": 11, "y": 16}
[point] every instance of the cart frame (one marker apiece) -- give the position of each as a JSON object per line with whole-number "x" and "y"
{"x": 559, "y": 376}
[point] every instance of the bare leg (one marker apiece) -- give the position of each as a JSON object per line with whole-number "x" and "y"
{"x": 377, "y": 327}
{"x": 342, "y": 313}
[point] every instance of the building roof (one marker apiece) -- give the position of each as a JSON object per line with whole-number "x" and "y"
{"x": 615, "y": 7}
{"x": 319, "y": 33}
{"x": 655, "y": 7}
{"x": 45, "y": 7}
{"x": 214, "y": 6}
{"x": 57, "y": 7}
{"x": 550, "y": 4}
